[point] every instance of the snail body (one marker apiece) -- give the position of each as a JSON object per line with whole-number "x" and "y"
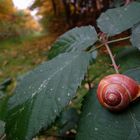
{"x": 116, "y": 91}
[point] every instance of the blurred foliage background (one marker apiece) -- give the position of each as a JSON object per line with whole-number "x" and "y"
{"x": 25, "y": 40}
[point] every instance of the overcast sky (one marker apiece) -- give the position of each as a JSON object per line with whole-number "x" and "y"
{"x": 22, "y": 4}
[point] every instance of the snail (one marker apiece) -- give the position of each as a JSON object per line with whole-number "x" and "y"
{"x": 116, "y": 91}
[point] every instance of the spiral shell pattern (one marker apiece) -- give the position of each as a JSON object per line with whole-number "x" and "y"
{"x": 116, "y": 91}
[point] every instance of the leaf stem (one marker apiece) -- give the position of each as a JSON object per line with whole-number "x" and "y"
{"x": 128, "y": 2}
{"x": 112, "y": 57}
{"x": 109, "y": 42}
{"x": 104, "y": 40}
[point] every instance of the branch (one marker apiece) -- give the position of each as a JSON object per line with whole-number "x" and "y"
{"x": 109, "y": 42}
{"x": 3, "y": 137}
{"x": 112, "y": 58}
{"x": 104, "y": 40}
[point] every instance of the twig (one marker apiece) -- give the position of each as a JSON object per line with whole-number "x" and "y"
{"x": 3, "y": 137}
{"x": 112, "y": 58}
{"x": 109, "y": 42}
{"x": 128, "y": 1}
{"x": 104, "y": 40}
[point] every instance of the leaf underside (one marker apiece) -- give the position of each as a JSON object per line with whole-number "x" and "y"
{"x": 102, "y": 124}
{"x": 117, "y": 20}
{"x": 43, "y": 93}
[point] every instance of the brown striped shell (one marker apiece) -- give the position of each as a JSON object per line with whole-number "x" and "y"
{"x": 116, "y": 91}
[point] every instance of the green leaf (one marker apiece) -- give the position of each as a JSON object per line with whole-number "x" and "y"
{"x": 134, "y": 73}
{"x": 2, "y": 128}
{"x": 117, "y": 20}
{"x": 78, "y": 38}
{"x": 68, "y": 120}
{"x": 43, "y": 93}
{"x": 3, "y": 109}
{"x": 118, "y": 3}
{"x": 94, "y": 54}
{"x": 3, "y": 105}
{"x": 128, "y": 58}
{"x": 135, "y": 37}
{"x": 97, "y": 123}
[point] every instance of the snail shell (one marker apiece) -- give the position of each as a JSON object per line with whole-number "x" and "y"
{"x": 116, "y": 91}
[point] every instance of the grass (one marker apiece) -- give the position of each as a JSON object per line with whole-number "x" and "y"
{"x": 21, "y": 54}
